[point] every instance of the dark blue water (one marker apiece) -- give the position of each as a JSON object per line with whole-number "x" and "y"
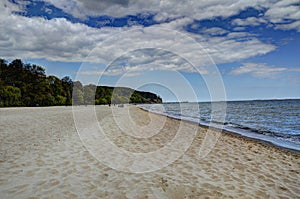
{"x": 274, "y": 121}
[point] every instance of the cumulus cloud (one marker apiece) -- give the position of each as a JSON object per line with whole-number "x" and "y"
{"x": 252, "y": 21}
{"x": 215, "y": 31}
{"x": 133, "y": 63}
{"x": 151, "y": 59}
{"x": 277, "y": 12}
{"x": 285, "y": 14}
{"x": 229, "y": 48}
{"x": 258, "y": 70}
{"x": 56, "y": 39}
{"x": 283, "y": 11}
{"x": 199, "y": 9}
{"x": 172, "y": 48}
{"x": 295, "y": 25}
{"x": 16, "y": 7}
{"x": 240, "y": 35}
{"x": 221, "y": 50}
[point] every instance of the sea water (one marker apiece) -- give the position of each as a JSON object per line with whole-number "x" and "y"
{"x": 273, "y": 121}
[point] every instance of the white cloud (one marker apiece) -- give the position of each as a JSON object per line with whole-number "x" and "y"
{"x": 285, "y": 14}
{"x": 215, "y": 31}
{"x": 284, "y": 10}
{"x": 152, "y": 59}
{"x": 198, "y": 9}
{"x": 228, "y": 49}
{"x": 48, "y": 11}
{"x": 252, "y": 21}
{"x": 295, "y": 25}
{"x": 239, "y": 28}
{"x": 258, "y": 70}
{"x": 56, "y": 39}
{"x": 61, "y": 40}
{"x": 91, "y": 72}
{"x": 278, "y": 12}
{"x": 20, "y": 7}
{"x": 238, "y": 35}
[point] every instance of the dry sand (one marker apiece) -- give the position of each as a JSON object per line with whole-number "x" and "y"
{"x": 42, "y": 156}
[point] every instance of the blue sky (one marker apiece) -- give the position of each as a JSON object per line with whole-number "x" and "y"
{"x": 182, "y": 50}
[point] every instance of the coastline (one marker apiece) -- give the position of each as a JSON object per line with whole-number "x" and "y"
{"x": 289, "y": 146}
{"x": 43, "y": 156}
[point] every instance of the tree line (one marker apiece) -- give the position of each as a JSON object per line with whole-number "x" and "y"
{"x": 28, "y": 85}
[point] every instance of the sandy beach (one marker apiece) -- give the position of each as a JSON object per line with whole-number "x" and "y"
{"x": 42, "y": 155}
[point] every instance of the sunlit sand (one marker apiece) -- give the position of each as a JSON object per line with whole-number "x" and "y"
{"x": 42, "y": 155}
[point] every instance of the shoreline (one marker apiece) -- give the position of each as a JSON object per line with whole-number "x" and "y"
{"x": 42, "y": 155}
{"x": 295, "y": 148}
{"x": 233, "y": 132}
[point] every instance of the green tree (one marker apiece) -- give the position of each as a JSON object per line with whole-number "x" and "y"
{"x": 67, "y": 85}
{"x": 10, "y": 96}
{"x": 89, "y": 94}
{"x": 27, "y": 85}
{"x": 77, "y": 95}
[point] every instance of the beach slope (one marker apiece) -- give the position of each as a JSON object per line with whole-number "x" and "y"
{"x": 42, "y": 155}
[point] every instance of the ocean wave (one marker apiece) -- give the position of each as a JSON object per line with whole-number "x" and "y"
{"x": 273, "y": 121}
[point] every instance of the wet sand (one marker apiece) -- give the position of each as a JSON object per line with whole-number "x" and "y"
{"x": 43, "y": 156}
